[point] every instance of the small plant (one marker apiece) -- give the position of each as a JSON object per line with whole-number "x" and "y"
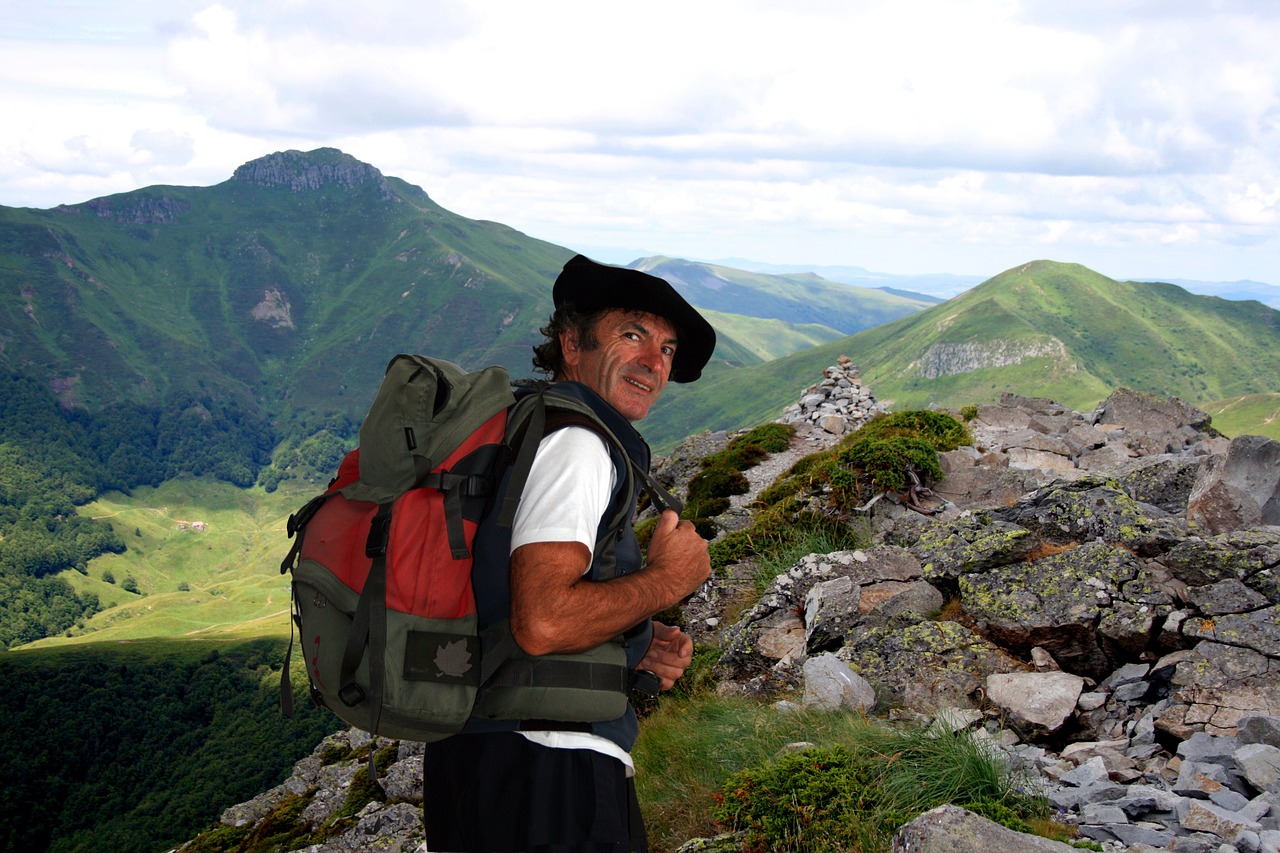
{"x": 721, "y": 476}
{"x": 855, "y": 794}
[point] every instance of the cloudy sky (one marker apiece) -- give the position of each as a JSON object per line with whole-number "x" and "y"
{"x": 1138, "y": 137}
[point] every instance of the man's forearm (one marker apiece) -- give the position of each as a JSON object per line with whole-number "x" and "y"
{"x": 555, "y": 609}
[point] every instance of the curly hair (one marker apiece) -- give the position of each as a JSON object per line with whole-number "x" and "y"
{"x": 548, "y": 357}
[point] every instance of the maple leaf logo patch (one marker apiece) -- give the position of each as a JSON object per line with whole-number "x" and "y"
{"x": 453, "y": 659}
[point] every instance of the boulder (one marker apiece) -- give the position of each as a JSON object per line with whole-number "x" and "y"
{"x": 830, "y": 685}
{"x": 951, "y": 829}
{"x": 1094, "y": 507}
{"x": 1035, "y": 701}
{"x": 1238, "y": 489}
{"x": 972, "y": 543}
{"x": 1092, "y": 608}
{"x": 927, "y": 665}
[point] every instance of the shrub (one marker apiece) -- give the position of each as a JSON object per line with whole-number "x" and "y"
{"x": 854, "y": 795}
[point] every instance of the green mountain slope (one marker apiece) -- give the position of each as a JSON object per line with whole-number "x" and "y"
{"x": 288, "y": 287}
{"x": 1042, "y": 329}
{"x": 797, "y": 298}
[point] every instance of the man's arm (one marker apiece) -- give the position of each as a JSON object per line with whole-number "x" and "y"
{"x": 555, "y": 609}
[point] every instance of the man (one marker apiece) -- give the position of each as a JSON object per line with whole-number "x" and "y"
{"x": 616, "y": 338}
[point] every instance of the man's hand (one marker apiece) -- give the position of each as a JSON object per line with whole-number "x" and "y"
{"x": 669, "y": 654}
{"x": 679, "y": 553}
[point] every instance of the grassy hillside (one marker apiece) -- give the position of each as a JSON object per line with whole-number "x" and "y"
{"x": 288, "y": 287}
{"x": 1043, "y": 329}
{"x": 136, "y": 746}
{"x": 221, "y": 581}
{"x": 1253, "y": 414}
{"x": 796, "y": 298}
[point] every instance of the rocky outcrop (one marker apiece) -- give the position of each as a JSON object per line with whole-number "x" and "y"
{"x": 1062, "y": 599}
{"x": 300, "y": 171}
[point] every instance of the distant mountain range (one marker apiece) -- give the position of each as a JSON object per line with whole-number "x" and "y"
{"x": 284, "y": 290}
{"x": 288, "y": 288}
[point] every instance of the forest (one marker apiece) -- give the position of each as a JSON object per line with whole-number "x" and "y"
{"x": 53, "y": 460}
{"x": 135, "y": 747}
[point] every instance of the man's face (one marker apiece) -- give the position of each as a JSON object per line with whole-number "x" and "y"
{"x": 630, "y": 366}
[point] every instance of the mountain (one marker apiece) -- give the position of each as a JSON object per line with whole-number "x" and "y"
{"x": 935, "y": 287}
{"x": 1267, "y": 294}
{"x": 796, "y": 298}
{"x": 1042, "y": 329}
{"x": 287, "y": 288}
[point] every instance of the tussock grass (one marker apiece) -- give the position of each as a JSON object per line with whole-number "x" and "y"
{"x": 775, "y": 562}
{"x": 810, "y": 781}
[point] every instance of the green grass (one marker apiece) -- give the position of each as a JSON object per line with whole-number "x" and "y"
{"x": 692, "y": 756}
{"x": 231, "y": 570}
{"x": 1254, "y": 414}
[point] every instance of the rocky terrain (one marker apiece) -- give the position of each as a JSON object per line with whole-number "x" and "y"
{"x": 1095, "y": 594}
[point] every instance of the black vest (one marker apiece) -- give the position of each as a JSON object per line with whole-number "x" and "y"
{"x": 618, "y": 555}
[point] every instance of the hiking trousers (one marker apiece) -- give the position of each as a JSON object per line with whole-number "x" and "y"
{"x": 500, "y": 793}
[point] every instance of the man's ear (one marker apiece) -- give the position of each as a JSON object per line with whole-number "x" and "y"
{"x": 569, "y": 346}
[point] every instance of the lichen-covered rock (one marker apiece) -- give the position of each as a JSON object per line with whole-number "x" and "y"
{"x": 972, "y": 543}
{"x": 1216, "y": 686}
{"x": 951, "y": 829}
{"x": 929, "y": 664}
{"x": 1089, "y": 607}
{"x": 1247, "y": 555}
{"x": 1095, "y": 508}
{"x": 1258, "y": 630}
{"x": 1164, "y": 481}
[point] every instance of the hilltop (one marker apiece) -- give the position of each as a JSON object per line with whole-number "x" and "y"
{"x": 1045, "y": 329}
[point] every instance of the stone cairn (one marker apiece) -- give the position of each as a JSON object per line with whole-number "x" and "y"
{"x": 840, "y": 403}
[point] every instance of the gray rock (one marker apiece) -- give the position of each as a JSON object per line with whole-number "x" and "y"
{"x": 1260, "y": 764}
{"x": 830, "y": 612}
{"x": 1040, "y": 700}
{"x": 1089, "y": 774}
{"x": 1226, "y": 596}
{"x": 1259, "y": 729}
{"x": 951, "y": 829}
{"x": 1240, "y": 489}
{"x": 1102, "y": 814}
{"x": 830, "y": 685}
{"x": 1201, "y": 816}
{"x": 881, "y": 602}
{"x": 1148, "y": 835}
{"x": 1208, "y": 748}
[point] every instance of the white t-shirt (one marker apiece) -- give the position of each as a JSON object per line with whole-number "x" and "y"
{"x": 566, "y": 495}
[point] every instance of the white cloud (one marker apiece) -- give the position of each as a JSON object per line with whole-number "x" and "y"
{"x": 917, "y": 134}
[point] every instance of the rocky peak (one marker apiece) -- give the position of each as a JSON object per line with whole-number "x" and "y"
{"x": 300, "y": 171}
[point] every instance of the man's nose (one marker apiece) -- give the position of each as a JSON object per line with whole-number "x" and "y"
{"x": 652, "y": 358}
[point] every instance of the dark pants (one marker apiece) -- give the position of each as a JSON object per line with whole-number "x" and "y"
{"x": 496, "y": 793}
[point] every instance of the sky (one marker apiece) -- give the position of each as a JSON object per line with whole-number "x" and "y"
{"x": 1140, "y": 138}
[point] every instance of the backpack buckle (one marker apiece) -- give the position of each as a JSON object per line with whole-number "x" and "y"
{"x": 379, "y": 531}
{"x": 351, "y": 694}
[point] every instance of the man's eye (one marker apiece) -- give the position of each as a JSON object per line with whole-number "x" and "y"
{"x": 668, "y": 350}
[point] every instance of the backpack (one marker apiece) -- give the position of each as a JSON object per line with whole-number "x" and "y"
{"x": 382, "y": 562}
